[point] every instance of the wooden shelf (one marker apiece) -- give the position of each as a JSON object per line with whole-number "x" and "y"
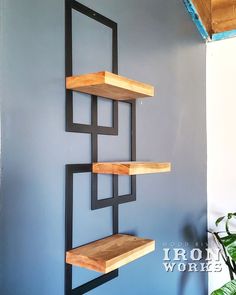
{"x": 109, "y": 85}
{"x": 130, "y": 168}
{"x": 110, "y": 253}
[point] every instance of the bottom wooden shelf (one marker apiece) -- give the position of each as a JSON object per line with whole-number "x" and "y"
{"x": 110, "y": 253}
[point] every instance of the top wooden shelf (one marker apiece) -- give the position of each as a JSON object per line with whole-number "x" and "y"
{"x": 130, "y": 168}
{"x": 109, "y": 85}
{"x": 110, "y": 253}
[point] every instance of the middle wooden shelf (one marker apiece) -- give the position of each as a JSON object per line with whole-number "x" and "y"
{"x": 130, "y": 168}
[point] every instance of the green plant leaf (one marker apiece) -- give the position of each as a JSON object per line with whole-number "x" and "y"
{"x": 230, "y": 215}
{"x": 232, "y": 251}
{"x": 227, "y": 289}
{"x": 219, "y": 220}
{"x": 227, "y": 240}
{"x": 230, "y": 244}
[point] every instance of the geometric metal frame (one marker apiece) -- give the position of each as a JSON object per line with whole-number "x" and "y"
{"x": 70, "y": 171}
{"x": 94, "y": 130}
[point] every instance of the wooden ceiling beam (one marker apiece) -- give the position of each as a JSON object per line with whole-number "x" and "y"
{"x": 223, "y": 15}
{"x": 203, "y": 8}
{"x": 217, "y": 16}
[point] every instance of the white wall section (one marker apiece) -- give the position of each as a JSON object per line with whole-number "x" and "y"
{"x": 221, "y": 137}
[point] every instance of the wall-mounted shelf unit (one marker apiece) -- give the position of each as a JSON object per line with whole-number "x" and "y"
{"x": 130, "y": 168}
{"x": 109, "y": 85}
{"x": 110, "y": 253}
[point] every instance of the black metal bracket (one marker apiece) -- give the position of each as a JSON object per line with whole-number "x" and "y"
{"x": 94, "y": 130}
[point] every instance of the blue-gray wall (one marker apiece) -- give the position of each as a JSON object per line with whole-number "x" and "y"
{"x": 157, "y": 44}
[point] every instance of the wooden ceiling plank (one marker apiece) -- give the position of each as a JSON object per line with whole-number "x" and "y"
{"x": 223, "y": 15}
{"x": 203, "y": 8}
{"x": 217, "y": 16}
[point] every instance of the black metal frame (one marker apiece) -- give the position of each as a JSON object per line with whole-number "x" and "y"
{"x": 94, "y": 130}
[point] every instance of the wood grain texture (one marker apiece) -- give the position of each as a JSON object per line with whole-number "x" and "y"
{"x": 109, "y": 85}
{"x": 110, "y": 253}
{"x": 223, "y": 15}
{"x": 217, "y": 15}
{"x": 203, "y": 8}
{"x": 130, "y": 168}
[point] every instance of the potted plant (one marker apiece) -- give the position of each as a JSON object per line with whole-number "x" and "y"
{"x": 226, "y": 242}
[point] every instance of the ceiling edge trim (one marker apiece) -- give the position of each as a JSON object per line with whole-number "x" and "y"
{"x": 223, "y": 35}
{"x": 196, "y": 19}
